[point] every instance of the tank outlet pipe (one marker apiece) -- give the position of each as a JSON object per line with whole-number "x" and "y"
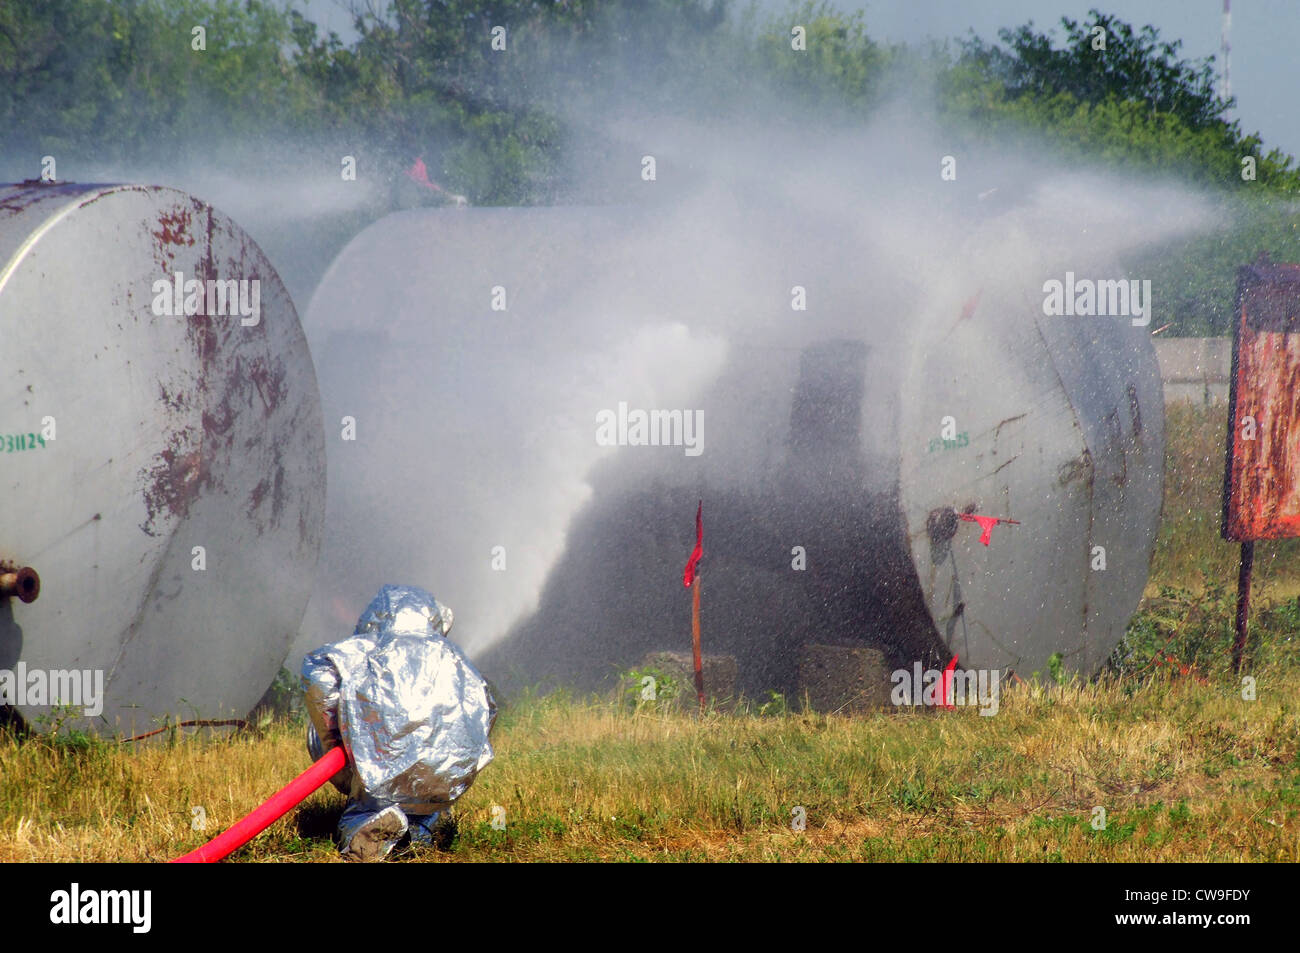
{"x": 23, "y": 583}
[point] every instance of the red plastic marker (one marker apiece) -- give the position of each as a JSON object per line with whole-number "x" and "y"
{"x": 986, "y": 524}
{"x": 945, "y": 685}
{"x": 688, "y": 576}
{"x": 419, "y": 173}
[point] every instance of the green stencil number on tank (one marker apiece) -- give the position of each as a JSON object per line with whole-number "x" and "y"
{"x": 14, "y": 442}
{"x": 938, "y": 443}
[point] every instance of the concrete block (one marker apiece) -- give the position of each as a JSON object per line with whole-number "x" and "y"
{"x": 843, "y": 678}
{"x": 720, "y": 675}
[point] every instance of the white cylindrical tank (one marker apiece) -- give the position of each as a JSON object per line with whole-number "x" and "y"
{"x": 479, "y": 349}
{"x": 162, "y": 461}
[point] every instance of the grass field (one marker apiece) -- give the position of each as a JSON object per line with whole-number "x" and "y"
{"x": 1185, "y": 768}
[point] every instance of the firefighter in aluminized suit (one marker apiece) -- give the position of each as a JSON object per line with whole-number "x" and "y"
{"x": 413, "y": 714}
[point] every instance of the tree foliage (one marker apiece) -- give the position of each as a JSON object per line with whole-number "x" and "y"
{"x": 122, "y": 79}
{"x": 119, "y": 81}
{"x": 1092, "y": 67}
{"x": 1133, "y": 103}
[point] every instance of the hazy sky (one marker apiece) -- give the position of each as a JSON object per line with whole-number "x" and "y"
{"x": 1265, "y": 39}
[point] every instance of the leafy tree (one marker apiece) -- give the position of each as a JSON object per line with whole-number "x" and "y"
{"x": 1134, "y": 102}
{"x": 495, "y": 125}
{"x": 840, "y": 65}
{"x": 105, "y": 80}
{"x": 1130, "y": 66}
{"x": 119, "y": 83}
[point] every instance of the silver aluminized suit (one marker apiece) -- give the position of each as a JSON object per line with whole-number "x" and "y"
{"x": 412, "y": 712}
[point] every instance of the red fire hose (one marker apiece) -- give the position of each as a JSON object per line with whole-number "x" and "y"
{"x": 263, "y": 817}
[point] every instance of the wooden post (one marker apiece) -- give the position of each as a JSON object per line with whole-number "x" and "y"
{"x": 695, "y": 637}
{"x": 1243, "y": 602}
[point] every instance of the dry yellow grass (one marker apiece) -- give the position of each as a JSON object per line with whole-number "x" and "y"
{"x": 1185, "y": 771}
{"x": 1185, "y": 768}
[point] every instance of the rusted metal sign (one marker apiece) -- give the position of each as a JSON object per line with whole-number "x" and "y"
{"x": 1261, "y": 488}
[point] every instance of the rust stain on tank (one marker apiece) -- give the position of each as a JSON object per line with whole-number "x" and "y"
{"x": 998, "y": 429}
{"x": 1134, "y": 411}
{"x": 173, "y": 402}
{"x": 277, "y": 492}
{"x": 274, "y": 488}
{"x": 172, "y": 484}
{"x": 1115, "y": 448}
{"x": 1078, "y": 468}
{"x": 255, "y": 498}
{"x": 32, "y": 191}
{"x": 203, "y": 331}
{"x": 174, "y": 228}
{"x": 218, "y": 421}
{"x": 270, "y": 383}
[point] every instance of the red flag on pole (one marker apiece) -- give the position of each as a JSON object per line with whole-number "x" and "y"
{"x": 419, "y": 173}
{"x": 691, "y": 581}
{"x": 688, "y": 576}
